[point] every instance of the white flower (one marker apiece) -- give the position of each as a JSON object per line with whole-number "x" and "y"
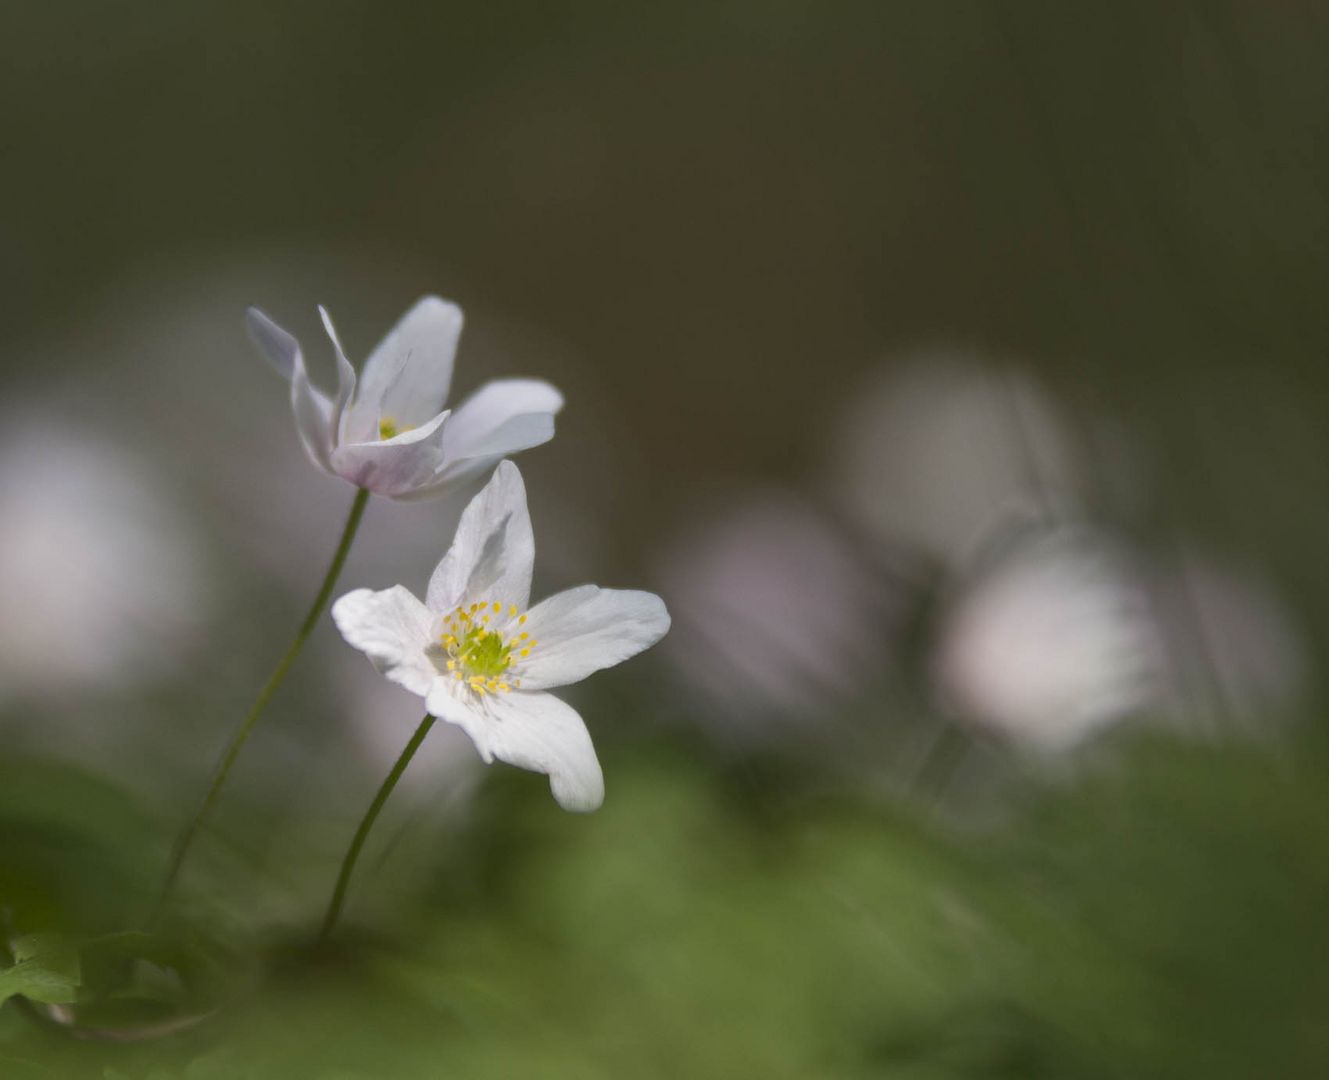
{"x": 100, "y": 572}
{"x": 1055, "y": 642}
{"x": 482, "y": 661}
{"x": 388, "y": 434}
{"x": 777, "y": 619}
{"x": 939, "y": 451}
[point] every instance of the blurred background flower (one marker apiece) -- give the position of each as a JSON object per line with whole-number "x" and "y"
{"x": 1050, "y": 642}
{"x": 942, "y": 449}
{"x": 103, "y": 574}
{"x": 778, "y": 621}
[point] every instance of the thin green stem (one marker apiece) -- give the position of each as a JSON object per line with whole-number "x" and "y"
{"x": 246, "y": 726}
{"x": 353, "y": 852}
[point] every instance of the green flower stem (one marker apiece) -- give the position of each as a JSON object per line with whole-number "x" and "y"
{"x": 353, "y": 852}
{"x": 246, "y": 726}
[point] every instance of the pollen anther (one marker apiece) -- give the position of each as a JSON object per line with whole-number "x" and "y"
{"x": 480, "y": 654}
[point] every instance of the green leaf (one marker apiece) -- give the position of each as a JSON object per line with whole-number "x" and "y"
{"x": 33, "y": 981}
{"x": 55, "y": 952}
{"x": 46, "y": 969}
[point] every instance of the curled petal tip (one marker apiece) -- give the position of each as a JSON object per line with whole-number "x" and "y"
{"x": 280, "y": 348}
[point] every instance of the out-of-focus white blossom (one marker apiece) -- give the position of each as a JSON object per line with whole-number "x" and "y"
{"x": 1235, "y": 658}
{"x": 390, "y": 433}
{"x": 1053, "y": 642}
{"x": 940, "y": 451}
{"x": 776, "y": 616}
{"x": 482, "y": 661}
{"x": 100, "y": 575}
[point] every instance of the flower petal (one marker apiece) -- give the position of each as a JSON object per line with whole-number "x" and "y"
{"x": 397, "y": 466}
{"x": 408, "y": 376}
{"x": 345, "y": 384}
{"x": 532, "y": 731}
{"x": 502, "y": 417}
{"x": 492, "y": 555}
{"x": 586, "y": 629}
{"x": 279, "y": 346}
{"x": 491, "y": 430}
{"x": 393, "y": 628}
{"x": 313, "y": 411}
{"x": 313, "y": 418}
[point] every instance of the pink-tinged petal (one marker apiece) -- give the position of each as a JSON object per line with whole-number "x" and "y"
{"x": 394, "y": 629}
{"x": 531, "y": 731}
{"x": 493, "y": 552}
{"x": 408, "y": 376}
{"x": 586, "y": 629}
{"x": 394, "y": 467}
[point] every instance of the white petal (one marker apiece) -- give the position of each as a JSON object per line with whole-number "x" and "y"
{"x": 407, "y": 377}
{"x": 519, "y": 433}
{"x": 491, "y": 430}
{"x": 586, "y": 629}
{"x": 455, "y": 472}
{"x": 280, "y": 348}
{"x": 462, "y": 709}
{"x": 397, "y": 466}
{"x": 393, "y": 629}
{"x": 313, "y": 417}
{"x": 532, "y": 731}
{"x": 492, "y": 555}
{"x": 345, "y": 384}
{"x": 502, "y": 417}
{"x": 313, "y": 411}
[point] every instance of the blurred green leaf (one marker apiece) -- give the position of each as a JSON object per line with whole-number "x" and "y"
{"x": 46, "y": 968}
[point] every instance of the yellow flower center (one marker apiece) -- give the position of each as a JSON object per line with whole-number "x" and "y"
{"x": 388, "y": 429}
{"x": 482, "y": 643}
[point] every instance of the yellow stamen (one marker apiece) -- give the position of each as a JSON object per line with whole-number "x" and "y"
{"x": 477, "y": 652}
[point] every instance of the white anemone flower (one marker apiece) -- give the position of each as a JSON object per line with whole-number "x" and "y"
{"x": 482, "y": 661}
{"x": 390, "y": 433}
{"x": 1054, "y": 643}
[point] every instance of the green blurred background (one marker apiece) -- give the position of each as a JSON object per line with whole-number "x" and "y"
{"x": 714, "y": 227}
